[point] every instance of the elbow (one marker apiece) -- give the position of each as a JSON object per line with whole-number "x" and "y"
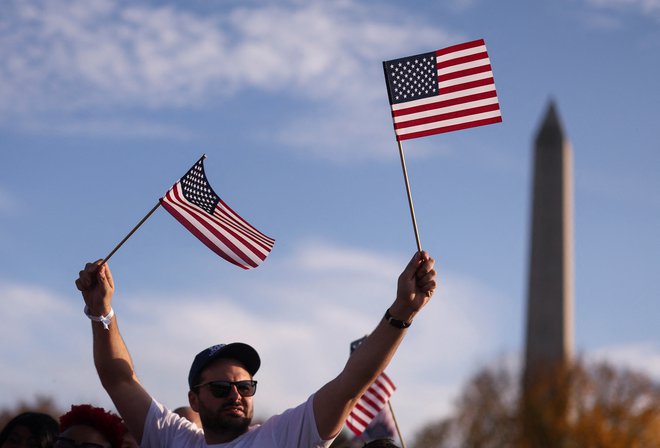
{"x": 115, "y": 373}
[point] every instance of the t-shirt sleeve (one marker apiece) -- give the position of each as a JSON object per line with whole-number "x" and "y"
{"x": 165, "y": 429}
{"x": 296, "y": 427}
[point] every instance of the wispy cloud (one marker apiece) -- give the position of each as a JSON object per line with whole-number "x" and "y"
{"x": 301, "y": 316}
{"x": 111, "y": 56}
{"x": 114, "y": 126}
{"x": 608, "y": 13}
{"x": 645, "y": 7}
{"x": 78, "y": 55}
{"x": 303, "y": 313}
{"x": 643, "y": 356}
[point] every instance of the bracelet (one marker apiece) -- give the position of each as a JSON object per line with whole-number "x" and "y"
{"x": 396, "y": 322}
{"x": 105, "y": 320}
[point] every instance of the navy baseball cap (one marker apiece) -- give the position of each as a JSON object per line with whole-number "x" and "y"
{"x": 236, "y": 350}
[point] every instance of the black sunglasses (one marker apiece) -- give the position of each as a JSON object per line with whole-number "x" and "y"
{"x": 65, "y": 442}
{"x": 221, "y": 389}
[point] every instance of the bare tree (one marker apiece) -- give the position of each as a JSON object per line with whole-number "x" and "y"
{"x": 40, "y": 404}
{"x": 597, "y": 406}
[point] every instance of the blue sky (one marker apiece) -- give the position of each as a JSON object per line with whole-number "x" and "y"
{"x": 104, "y": 105}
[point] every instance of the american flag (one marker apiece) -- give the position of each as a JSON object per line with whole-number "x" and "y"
{"x": 371, "y": 402}
{"x": 442, "y": 91}
{"x": 194, "y": 204}
{"x": 381, "y": 427}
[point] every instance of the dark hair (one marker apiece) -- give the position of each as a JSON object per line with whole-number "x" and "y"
{"x": 42, "y": 427}
{"x": 381, "y": 443}
{"x": 109, "y": 424}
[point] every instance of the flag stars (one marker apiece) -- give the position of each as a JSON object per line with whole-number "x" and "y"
{"x": 411, "y": 78}
{"x": 197, "y": 190}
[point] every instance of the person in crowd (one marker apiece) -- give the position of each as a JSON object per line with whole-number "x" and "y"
{"x": 87, "y": 426}
{"x": 29, "y": 430}
{"x": 129, "y": 440}
{"x": 221, "y": 378}
{"x": 381, "y": 443}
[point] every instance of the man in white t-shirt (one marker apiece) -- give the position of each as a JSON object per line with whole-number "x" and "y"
{"x": 221, "y": 377}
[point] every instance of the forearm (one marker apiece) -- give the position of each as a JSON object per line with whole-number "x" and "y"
{"x": 335, "y": 400}
{"x": 115, "y": 369}
{"x": 373, "y": 355}
{"x": 111, "y": 357}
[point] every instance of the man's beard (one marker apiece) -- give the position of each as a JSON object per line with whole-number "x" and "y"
{"x": 218, "y": 422}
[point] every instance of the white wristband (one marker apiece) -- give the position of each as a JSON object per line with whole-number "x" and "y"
{"x": 105, "y": 320}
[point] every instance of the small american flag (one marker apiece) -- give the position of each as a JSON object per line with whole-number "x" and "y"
{"x": 194, "y": 204}
{"x": 442, "y": 91}
{"x": 371, "y": 402}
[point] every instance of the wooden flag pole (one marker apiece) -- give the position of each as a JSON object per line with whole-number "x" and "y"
{"x": 396, "y": 424}
{"x": 410, "y": 202}
{"x": 130, "y": 233}
{"x": 135, "y": 228}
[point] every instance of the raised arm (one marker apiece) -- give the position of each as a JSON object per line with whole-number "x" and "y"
{"x": 111, "y": 358}
{"x": 334, "y": 401}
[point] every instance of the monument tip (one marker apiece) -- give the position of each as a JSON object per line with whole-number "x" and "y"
{"x": 551, "y": 130}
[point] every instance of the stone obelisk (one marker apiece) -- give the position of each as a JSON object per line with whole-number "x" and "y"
{"x": 549, "y": 337}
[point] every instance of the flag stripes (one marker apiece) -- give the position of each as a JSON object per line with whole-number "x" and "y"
{"x": 370, "y": 404}
{"x": 221, "y": 230}
{"x": 464, "y": 96}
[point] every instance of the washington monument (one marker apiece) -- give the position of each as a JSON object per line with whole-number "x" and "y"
{"x": 549, "y": 333}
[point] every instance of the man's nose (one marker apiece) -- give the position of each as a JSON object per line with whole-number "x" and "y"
{"x": 233, "y": 392}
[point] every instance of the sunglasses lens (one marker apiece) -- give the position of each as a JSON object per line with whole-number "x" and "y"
{"x": 246, "y": 388}
{"x": 220, "y": 389}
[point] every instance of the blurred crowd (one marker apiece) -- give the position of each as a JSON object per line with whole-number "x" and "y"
{"x": 83, "y": 426}
{"x": 87, "y": 426}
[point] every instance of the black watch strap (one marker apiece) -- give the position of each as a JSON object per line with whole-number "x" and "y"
{"x": 396, "y": 322}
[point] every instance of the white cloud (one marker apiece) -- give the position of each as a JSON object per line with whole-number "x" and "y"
{"x": 602, "y": 21}
{"x": 322, "y": 257}
{"x": 78, "y": 54}
{"x": 309, "y": 307}
{"x": 643, "y": 6}
{"x": 115, "y": 127}
{"x": 47, "y": 346}
{"x": 642, "y": 356}
{"x": 104, "y": 57}
{"x": 647, "y": 8}
{"x": 301, "y": 316}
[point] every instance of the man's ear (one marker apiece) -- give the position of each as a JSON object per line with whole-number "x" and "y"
{"x": 193, "y": 399}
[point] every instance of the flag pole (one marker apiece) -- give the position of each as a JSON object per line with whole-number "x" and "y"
{"x": 105, "y": 260}
{"x": 410, "y": 201}
{"x": 130, "y": 233}
{"x": 396, "y": 424}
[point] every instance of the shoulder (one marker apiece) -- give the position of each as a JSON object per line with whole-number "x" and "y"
{"x": 295, "y": 427}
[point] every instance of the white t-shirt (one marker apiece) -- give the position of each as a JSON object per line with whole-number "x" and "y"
{"x": 294, "y": 428}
